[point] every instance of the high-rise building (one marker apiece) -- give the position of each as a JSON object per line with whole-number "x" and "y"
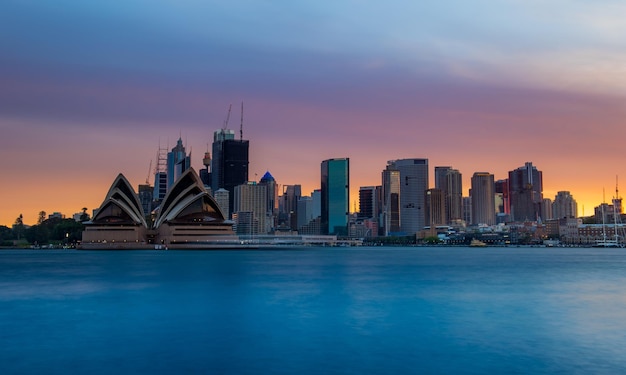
{"x": 502, "y": 189}
{"x": 222, "y": 197}
{"x": 526, "y": 193}
{"x": 546, "y": 209}
{"x": 160, "y": 177}
{"x": 145, "y": 192}
{"x": 413, "y": 186}
{"x": 450, "y": 182}
{"x": 368, "y": 202}
{"x": 251, "y": 197}
{"x": 229, "y": 166}
{"x": 160, "y": 187}
{"x": 390, "y": 222}
{"x": 288, "y": 207}
{"x": 467, "y": 209}
{"x": 564, "y": 205}
{"x": 335, "y": 183}
{"x": 272, "y": 192}
{"x": 483, "y": 199}
{"x": 435, "y": 208}
{"x": 177, "y": 163}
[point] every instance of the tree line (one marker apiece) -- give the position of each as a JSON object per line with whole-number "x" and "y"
{"x": 47, "y": 231}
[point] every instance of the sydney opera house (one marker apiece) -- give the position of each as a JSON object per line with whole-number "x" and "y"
{"x": 188, "y": 217}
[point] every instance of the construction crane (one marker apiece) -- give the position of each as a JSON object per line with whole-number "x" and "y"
{"x": 148, "y": 176}
{"x": 241, "y": 126}
{"x": 227, "y": 118}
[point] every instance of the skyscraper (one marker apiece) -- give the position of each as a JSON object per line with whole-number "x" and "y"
{"x": 368, "y": 202}
{"x": 229, "y": 166}
{"x": 564, "y": 205}
{"x": 272, "y": 198}
{"x": 177, "y": 163}
{"x": 251, "y": 198}
{"x": 483, "y": 199}
{"x": 288, "y": 206}
{"x": 335, "y": 183}
{"x": 390, "y": 201}
{"x": 435, "y": 208}
{"x": 450, "y": 182}
{"x": 413, "y": 186}
{"x": 526, "y": 193}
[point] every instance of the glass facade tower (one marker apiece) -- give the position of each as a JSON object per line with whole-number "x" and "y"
{"x": 335, "y": 196}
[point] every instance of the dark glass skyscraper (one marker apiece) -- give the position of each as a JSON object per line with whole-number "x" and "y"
{"x": 526, "y": 193}
{"x": 335, "y": 196}
{"x": 229, "y": 166}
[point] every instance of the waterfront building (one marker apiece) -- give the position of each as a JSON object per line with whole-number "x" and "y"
{"x": 546, "y": 209}
{"x": 483, "y": 199}
{"x": 187, "y": 217}
{"x": 413, "y": 186}
{"x": 288, "y": 207}
{"x": 502, "y": 192}
{"x": 526, "y": 193}
{"x": 467, "y": 209}
{"x": 229, "y": 166}
{"x": 435, "y": 208}
{"x": 251, "y": 198}
{"x": 335, "y": 189}
{"x": 222, "y": 197}
{"x": 450, "y": 182}
{"x": 177, "y": 162}
{"x": 271, "y": 189}
{"x": 309, "y": 213}
{"x": 390, "y": 223}
{"x": 305, "y": 211}
{"x": 369, "y": 202}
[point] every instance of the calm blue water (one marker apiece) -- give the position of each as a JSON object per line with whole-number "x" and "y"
{"x": 333, "y": 311}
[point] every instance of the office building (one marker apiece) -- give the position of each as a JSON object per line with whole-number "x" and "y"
{"x": 251, "y": 198}
{"x": 450, "y": 182}
{"x": 564, "y": 205}
{"x": 229, "y": 166}
{"x": 369, "y": 198}
{"x": 222, "y": 197}
{"x": 526, "y": 193}
{"x": 335, "y": 186}
{"x": 288, "y": 207}
{"x": 390, "y": 222}
{"x": 271, "y": 189}
{"x": 413, "y": 186}
{"x": 177, "y": 163}
{"x": 435, "y": 208}
{"x": 483, "y": 199}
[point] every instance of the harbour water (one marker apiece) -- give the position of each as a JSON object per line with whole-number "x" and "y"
{"x": 314, "y": 311}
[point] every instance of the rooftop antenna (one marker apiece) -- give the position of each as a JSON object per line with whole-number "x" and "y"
{"x": 241, "y": 126}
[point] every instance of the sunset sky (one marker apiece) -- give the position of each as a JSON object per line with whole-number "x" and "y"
{"x": 88, "y": 89}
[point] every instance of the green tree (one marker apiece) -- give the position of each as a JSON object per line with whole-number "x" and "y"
{"x": 18, "y": 227}
{"x": 84, "y": 216}
{"x": 41, "y": 218}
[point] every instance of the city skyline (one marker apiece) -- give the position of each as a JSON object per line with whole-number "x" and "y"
{"x": 481, "y": 87}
